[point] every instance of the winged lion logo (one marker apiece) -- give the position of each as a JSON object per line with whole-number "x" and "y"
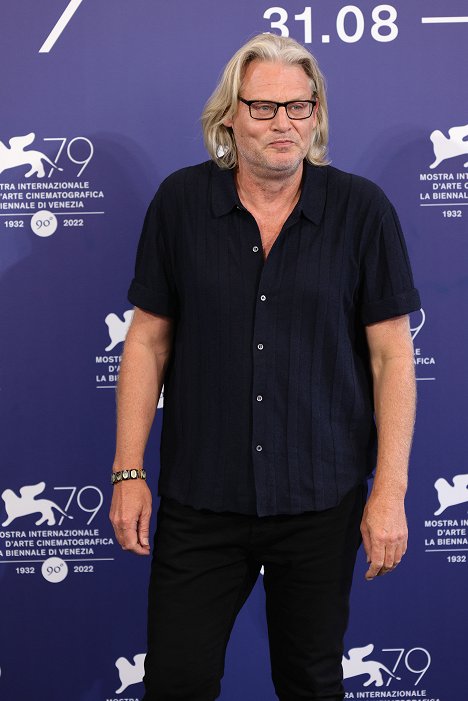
{"x": 26, "y": 504}
{"x": 451, "y": 494}
{"x": 456, "y": 144}
{"x": 130, "y": 673}
{"x": 15, "y": 155}
{"x": 355, "y": 664}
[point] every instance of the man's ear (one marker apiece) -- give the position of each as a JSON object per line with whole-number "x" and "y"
{"x": 315, "y": 113}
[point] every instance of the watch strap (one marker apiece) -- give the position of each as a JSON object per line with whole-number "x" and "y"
{"x": 132, "y": 474}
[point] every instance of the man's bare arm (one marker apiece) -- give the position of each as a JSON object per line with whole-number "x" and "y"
{"x": 146, "y": 353}
{"x": 384, "y": 528}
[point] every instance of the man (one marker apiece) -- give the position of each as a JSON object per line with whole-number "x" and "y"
{"x": 271, "y": 294}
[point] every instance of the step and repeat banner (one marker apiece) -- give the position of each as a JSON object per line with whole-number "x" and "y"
{"x": 88, "y": 130}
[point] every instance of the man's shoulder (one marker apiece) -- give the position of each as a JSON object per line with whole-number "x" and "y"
{"x": 357, "y": 187}
{"x": 199, "y": 173}
{"x": 358, "y": 183}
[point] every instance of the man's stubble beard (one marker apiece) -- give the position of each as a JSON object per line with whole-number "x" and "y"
{"x": 265, "y": 166}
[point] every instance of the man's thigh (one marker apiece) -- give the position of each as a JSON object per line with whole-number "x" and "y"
{"x": 308, "y": 575}
{"x": 201, "y": 576}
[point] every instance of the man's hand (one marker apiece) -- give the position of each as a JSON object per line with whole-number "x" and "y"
{"x": 384, "y": 534}
{"x": 130, "y": 515}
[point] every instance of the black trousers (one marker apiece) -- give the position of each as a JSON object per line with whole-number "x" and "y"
{"x": 204, "y": 567}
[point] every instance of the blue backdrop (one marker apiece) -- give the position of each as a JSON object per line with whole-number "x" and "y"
{"x": 85, "y": 139}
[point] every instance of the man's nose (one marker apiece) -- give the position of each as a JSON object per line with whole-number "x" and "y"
{"x": 281, "y": 119}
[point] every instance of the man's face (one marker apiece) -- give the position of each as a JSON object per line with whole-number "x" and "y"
{"x": 272, "y": 148}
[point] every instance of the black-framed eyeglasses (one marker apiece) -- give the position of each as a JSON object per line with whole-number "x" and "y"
{"x": 266, "y": 109}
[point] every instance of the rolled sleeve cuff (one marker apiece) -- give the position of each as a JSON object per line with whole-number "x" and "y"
{"x": 400, "y": 304}
{"x": 150, "y": 300}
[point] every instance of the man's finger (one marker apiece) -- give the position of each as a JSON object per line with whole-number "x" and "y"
{"x": 126, "y": 535}
{"x": 399, "y": 554}
{"x": 390, "y": 557}
{"x": 377, "y": 556}
{"x": 366, "y": 542}
{"x": 375, "y": 568}
{"x": 128, "y": 539}
{"x": 143, "y": 530}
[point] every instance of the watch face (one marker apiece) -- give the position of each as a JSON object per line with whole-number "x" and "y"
{"x": 125, "y": 474}
{"x": 133, "y": 474}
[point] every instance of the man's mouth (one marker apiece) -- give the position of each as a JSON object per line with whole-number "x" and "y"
{"x": 281, "y": 142}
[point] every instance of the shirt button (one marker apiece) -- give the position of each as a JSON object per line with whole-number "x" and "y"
{"x": 259, "y": 448}
{"x": 263, "y": 298}
{"x": 260, "y": 346}
{"x": 259, "y": 398}
{"x": 255, "y": 249}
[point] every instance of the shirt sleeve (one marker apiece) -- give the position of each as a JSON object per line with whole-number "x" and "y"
{"x": 153, "y": 287}
{"x": 387, "y": 284}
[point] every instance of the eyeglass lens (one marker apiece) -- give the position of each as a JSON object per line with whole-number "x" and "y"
{"x": 294, "y": 110}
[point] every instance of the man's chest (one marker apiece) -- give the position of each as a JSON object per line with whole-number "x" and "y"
{"x": 240, "y": 262}
{"x": 269, "y": 229}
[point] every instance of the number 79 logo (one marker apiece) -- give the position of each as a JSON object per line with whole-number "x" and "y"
{"x": 57, "y": 31}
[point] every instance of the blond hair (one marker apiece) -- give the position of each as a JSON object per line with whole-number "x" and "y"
{"x": 222, "y": 105}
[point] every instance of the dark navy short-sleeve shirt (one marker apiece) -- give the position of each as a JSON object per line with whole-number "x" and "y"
{"x": 268, "y": 405}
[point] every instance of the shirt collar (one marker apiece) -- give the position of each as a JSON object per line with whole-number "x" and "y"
{"x": 314, "y": 192}
{"x": 224, "y": 197}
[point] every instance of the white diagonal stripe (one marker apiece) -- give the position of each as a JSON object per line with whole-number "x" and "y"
{"x": 68, "y": 13}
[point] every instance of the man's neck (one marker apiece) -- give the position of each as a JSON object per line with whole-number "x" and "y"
{"x": 257, "y": 192}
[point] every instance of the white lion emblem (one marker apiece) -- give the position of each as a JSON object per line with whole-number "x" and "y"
{"x": 17, "y": 156}
{"x": 130, "y": 673}
{"x": 27, "y": 504}
{"x": 356, "y": 665}
{"x": 451, "y": 495}
{"x": 117, "y": 328}
{"x": 455, "y": 145}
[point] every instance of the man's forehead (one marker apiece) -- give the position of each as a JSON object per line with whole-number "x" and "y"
{"x": 266, "y": 74}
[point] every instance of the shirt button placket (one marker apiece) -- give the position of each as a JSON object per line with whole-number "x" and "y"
{"x": 260, "y": 401}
